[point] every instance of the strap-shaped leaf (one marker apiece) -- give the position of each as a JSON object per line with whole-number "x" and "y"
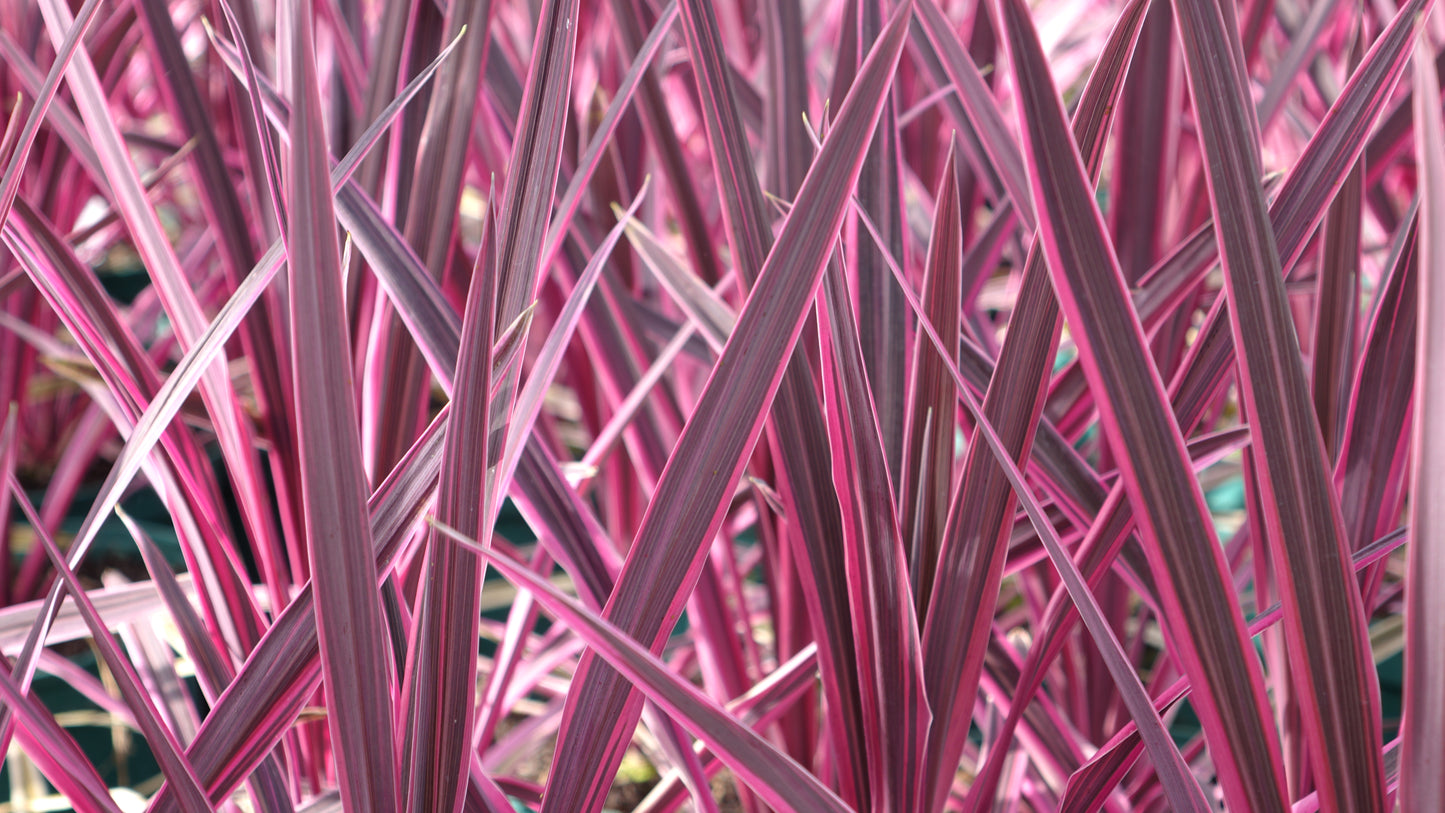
{"x": 652, "y": 107}
{"x": 24, "y": 139}
{"x": 890, "y": 657}
{"x": 1422, "y": 780}
{"x": 441, "y": 671}
{"x": 222, "y": 205}
{"x": 151, "y": 425}
{"x": 927, "y": 476}
{"x": 1202, "y": 620}
{"x": 532, "y": 171}
{"x": 333, "y": 480}
{"x": 53, "y": 750}
{"x": 568, "y": 200}
{"x": 882, "y": 313}
{"x": 1181, "y": 787}
{"x": 1332, "y": 668}
{"x": 762, "y": 704}
{"x": 1374, "y": 450}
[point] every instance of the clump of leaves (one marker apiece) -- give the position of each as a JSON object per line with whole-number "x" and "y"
{"x": 860, "y": 405}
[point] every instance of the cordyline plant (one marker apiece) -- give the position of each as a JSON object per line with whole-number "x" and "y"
{"x": 797, "y": 405}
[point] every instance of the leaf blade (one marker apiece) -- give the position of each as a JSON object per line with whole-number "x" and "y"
{"x": 889, "y": 652}
{"x": 1146, "y": 441}
{"x": 1422, "y": 781}
{"x": 1325, "y": 630}
{"x": 348, "y": 613}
